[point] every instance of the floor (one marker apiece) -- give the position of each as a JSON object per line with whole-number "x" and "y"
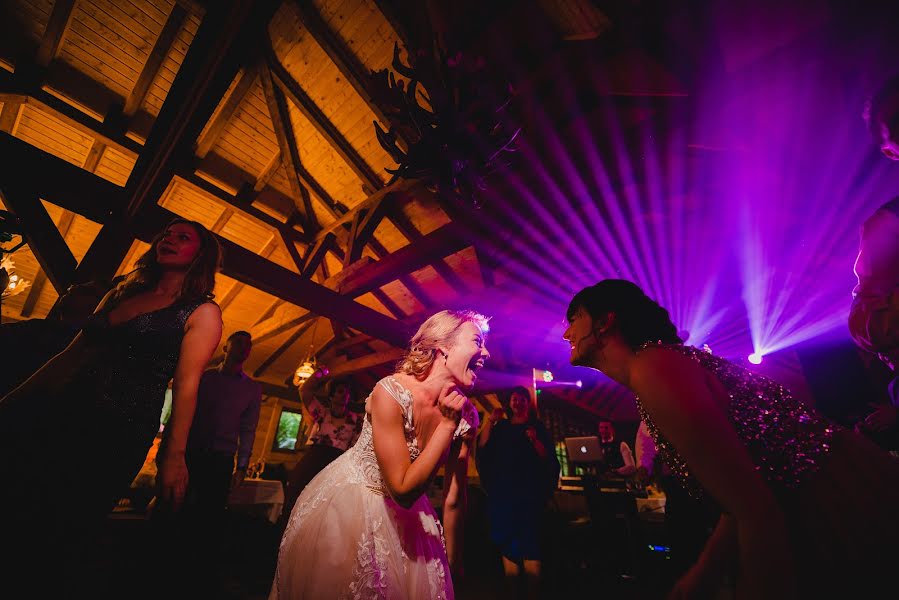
{"x": 132, "y": 560}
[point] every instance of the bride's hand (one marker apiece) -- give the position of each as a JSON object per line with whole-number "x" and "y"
{"x": 450, "y": 403}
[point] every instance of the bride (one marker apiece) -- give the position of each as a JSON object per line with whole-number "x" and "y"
{"x": 364, "y": 527}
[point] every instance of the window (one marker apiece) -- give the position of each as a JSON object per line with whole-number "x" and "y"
{"x": 289, "y": 430}
{"x": 562, "y": 457}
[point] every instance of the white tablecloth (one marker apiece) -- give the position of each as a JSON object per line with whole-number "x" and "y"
{"x": 268, "y": 492}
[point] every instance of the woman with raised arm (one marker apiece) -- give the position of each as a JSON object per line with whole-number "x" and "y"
{"x": 364, "y": 527}
{"x": 808, "y": 508}
{"x": 334, "y": 429}
{"x": 108, "y": 386}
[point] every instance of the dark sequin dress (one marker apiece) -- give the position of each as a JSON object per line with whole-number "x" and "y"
{"x": 87, "y": 442}
{"x": 840, "y": 492}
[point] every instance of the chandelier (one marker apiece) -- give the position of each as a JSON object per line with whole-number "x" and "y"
{"x": 306, "y": 369}
{"x": 10, "y": 282}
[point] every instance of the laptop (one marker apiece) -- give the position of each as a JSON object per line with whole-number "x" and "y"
{"x": 583, "y": 450}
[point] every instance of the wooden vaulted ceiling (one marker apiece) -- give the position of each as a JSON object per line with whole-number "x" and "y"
{"x": 254, "y": 118}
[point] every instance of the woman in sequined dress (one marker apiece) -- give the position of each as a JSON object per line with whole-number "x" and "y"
{"x": 364, "y": 527}
{"x": 108, "y": 387}
{"x": 808, "y": 508}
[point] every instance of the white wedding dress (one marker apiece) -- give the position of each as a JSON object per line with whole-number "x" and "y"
{"x": 347, "y": 538}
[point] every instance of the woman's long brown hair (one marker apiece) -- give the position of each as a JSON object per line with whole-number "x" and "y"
{"x": 199, "y": 281}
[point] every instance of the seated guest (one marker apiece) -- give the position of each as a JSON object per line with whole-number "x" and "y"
{"x": 801, "y": 498}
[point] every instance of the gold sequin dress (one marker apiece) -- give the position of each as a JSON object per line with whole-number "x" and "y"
{"x": 840, "y": 492}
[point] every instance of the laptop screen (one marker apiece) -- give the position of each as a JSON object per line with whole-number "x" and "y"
{"x": 583, "y": 450}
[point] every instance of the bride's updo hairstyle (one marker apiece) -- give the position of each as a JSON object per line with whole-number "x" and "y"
{"x": 438, "y": 330}
{"x": 638, "y": 318}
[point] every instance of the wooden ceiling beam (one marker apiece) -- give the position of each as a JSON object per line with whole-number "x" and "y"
{"x": 356, "y": 340}
{"x": 290, "y": 154}
{"x": 94, "y": 155}
{"x": 267, "y": 173}
{"x": 401, "y": 222}
{"x": 221, "y": 120}
{"x": 264, "y": 332}
{"x": 402, "y": 188}
{"x": 53, "y": 106}
{"x": 391, "y": 306}
{"x": 315, "y": 255}
{"x": 64, "y": 225}
{"x": 337, "y": 50}
{"x": 370, "y": 361}
{"x": 44, "y": 239}
{"x": 365, "y": 224}
{"x": 235, "y": 202}
{"x": 55, "y": 32}
{"x": 391, "y": 14}
{"x": 322, "y": 124}
{"x": 154, "y": 61}
{"x": 9, "y": 116}
{"x": 73, "y": 188}
{"x": 228, "y": 33}
{"x": 280, "y": 350}
{"x": 437, "y": 244}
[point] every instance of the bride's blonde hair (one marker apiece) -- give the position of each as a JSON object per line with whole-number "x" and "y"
{"x": 438, "y": 330}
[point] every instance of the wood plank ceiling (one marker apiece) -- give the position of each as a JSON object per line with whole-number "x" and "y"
{"x": 255, "y": 119}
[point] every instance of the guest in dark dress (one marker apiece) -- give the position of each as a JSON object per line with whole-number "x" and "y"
{"x": 808, "y": 508}
{"x": 109, "y": 386}
{"x": 519, "y": 470}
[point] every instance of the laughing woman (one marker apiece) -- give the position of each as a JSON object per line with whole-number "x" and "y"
{"x": 807, "y": 507}
{"x": 364, "y": 527}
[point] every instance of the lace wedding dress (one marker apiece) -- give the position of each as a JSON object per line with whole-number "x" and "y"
{"x": 347, "y": 538}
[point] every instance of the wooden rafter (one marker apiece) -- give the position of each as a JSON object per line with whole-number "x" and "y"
{"x": 269, "y": 311}
{"x": 401, "y": 222}
{"x": 267, "y": 172}
{"x": 44, "y": 239}
{"x": 264, "y": 332}
{"x": 336, "y": 49}
{"x": 322, "y": 124}
{"x": 227, "y": 34}
{"x": 290, "y": 154}
{"x": 315, "y": 254}
{"x": 64, "y": 224}
{"x": 391, "y": 14}
{"x": 389, "y": 304}
{"x": 55, "y": 32}
{"x": 154, "y": 61}
{"x": 73, "y": 188}
{"x": 93, "y": 156}
{"x": 284, "y": 347}
{"x": 223, "y": 117}
{"x": 48, "y": 104}
{"x": 9, "y": 116}
{"x": 369, "y": 361}
{"x": 292, "y": 249}
{"x": 364, "y": 225}
{"x": 343, "y": 345}
{"x": 235, "y": 202}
